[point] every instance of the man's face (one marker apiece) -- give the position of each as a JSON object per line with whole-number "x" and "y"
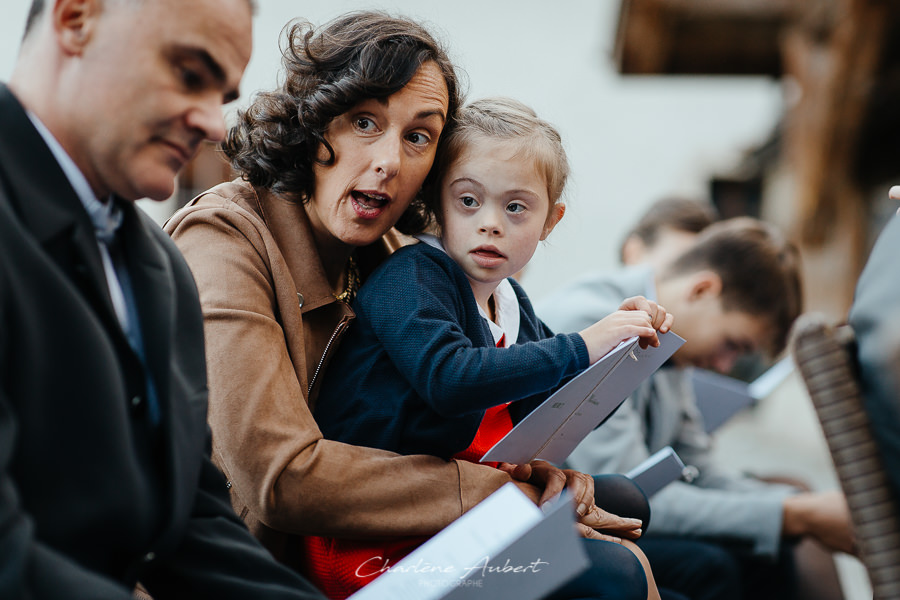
{"x": 148, "y": 88}
{"x": 716, "y": 338}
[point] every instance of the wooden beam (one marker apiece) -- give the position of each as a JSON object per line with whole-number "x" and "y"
{"x": 834, "y": 76}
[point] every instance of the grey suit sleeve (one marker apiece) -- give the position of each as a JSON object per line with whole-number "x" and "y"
{"x": 717, "y": 505}
{"x": 753, "y": 519}
{"x": 875, "y": 318}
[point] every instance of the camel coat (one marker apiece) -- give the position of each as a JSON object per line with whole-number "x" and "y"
{"x": 271, "y": 325}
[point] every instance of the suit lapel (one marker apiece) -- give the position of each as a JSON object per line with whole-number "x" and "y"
{"x": 153, "y": 283}
{"x": 49, "y": 208}
{"x": 151, "y": 280}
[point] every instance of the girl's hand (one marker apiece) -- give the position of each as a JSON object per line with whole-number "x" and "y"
{"x": 636, "y": 317}
{"x": 659, "y": 318}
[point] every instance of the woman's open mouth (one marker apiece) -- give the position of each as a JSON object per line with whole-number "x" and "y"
{"x": 369, "y": 205}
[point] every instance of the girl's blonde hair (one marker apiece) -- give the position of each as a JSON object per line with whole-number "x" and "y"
{"x": 503, "y": 119}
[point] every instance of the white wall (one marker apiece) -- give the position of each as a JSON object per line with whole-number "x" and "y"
{"x": 630, "y": 140}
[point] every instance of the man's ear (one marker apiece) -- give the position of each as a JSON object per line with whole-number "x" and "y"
{"x": 74, "y": 22}
{"x": 556, "y": 214}
{"x": 704, "y": 284}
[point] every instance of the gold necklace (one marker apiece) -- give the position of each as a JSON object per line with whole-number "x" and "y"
{"x": 352, "y": 282}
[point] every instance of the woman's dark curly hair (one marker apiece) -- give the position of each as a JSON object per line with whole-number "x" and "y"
{"x": 356, "y": 57}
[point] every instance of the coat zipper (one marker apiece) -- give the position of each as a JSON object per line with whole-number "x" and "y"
{"x": 334, "y": 335}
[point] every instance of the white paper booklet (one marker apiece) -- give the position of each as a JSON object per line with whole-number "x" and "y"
{"x": 554, "y": 428}
{"x": 720, "y": 397}
{"x": 505, "y": 548}
{"x": 657, "y": 471}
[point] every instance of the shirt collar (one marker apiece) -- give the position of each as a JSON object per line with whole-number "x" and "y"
{"x": 106, "y": 217}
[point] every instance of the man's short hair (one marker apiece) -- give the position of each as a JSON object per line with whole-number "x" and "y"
{"x": 37, "y": 7}
{"x": 672, "y": 212}
{"x": 759, "y": 268}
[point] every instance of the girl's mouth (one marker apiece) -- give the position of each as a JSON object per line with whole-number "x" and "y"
{"x": 487, "y": 256}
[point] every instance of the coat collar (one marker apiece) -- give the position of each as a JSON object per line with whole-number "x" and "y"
{"x": 39, "y": 190}
{"x": 42, "y": 196}
{"x": 289, "y": 224}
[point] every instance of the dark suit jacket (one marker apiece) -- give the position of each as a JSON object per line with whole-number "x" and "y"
{"x": 92, "y": 498}
{"x": 875, "y": 317}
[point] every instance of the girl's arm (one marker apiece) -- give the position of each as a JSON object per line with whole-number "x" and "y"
{"x": 423, "y": 314}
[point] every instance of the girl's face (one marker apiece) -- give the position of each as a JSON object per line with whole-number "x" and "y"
{"x": 383, "y": 151}
{"x": 494, "y": 211}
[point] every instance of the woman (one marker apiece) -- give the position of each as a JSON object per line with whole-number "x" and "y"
{"x": 329, "y": 163}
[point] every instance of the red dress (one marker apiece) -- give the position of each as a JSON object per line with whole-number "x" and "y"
{"x": 339, "y": 567}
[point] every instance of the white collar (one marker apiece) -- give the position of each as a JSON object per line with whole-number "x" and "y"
{"x": 76, "y": 178}
{"x": 506, "y": 304}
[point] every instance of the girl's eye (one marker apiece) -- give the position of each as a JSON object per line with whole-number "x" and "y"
{"x": 469, "y": 201}
{"x": 364, "y": 123}
{"x": 417, "y": 138}
{"x": 515, "y": 207}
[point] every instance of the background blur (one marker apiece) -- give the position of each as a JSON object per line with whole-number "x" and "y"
{"x": 783, "y": 109}
{"x": 630, "y": 140}
{"x": 774, "y": 108}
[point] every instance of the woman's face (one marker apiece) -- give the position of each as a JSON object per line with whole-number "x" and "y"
{"x": 383, "y": 151}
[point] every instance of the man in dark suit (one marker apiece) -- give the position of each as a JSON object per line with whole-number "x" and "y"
{"x": 105, "y": 477}
{"x": 875, "y": 318}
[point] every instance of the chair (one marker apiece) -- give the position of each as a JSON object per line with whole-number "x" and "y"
{"x": 825, "y": 357}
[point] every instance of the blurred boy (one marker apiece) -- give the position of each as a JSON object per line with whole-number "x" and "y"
{"x": 668, "y": 228}
{"x": 735, "y": 291}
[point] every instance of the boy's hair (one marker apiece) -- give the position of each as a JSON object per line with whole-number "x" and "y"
{"x": 674, "y": 212}
{"x": 759, "y": 268}
{"x": 503, "y": 119}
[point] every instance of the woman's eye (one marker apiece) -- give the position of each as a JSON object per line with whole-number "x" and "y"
{"x": 419, "y": 139}
{"x": 515, "y": 207}
{"x": 469, "y": 201}
{"x": 364, "y": 123}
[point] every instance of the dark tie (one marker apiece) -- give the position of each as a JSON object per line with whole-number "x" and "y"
{"x": 133, "y": 331}
{"x": 107, "y": 221}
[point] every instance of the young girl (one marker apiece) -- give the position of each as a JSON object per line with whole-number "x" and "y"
{"x": 446, "y": 353}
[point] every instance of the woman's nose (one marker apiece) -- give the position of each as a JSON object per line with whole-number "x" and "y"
{"x": 388, "y": 156}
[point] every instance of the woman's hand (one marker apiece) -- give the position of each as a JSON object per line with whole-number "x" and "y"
{"x": 549, "y": 480}
{"x": 613, "y": 526}
{"x": 553, "y": 480}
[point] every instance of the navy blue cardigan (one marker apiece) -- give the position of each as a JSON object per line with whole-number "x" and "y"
{"x": 418, "y": 367}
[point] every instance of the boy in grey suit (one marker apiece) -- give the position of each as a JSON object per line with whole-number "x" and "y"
{"x": 735, "y": 291}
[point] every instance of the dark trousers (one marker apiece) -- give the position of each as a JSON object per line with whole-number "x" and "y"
{"x": 684, "y": 569}
{"x": 614, "y": 572}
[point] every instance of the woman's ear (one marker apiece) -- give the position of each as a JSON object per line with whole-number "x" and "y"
{"x": 556, "y": 214}
{"x": 705, "y": 284}
{"x": 74, "y": 22}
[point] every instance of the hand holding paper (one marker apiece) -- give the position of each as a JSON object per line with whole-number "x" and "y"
{"x": 555, "y": 427}
{"x": 636, "y": 317}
